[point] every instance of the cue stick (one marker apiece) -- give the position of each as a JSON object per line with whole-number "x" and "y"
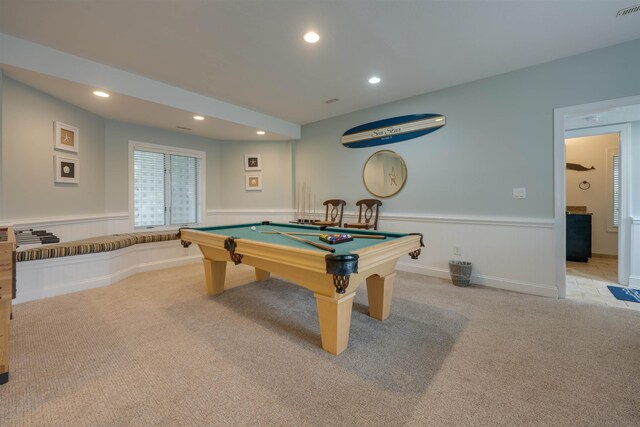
{"x": 309, "y": 242}
{"x": 297, "y": 201}
{"x": 359, "y": 236}
{"x": 304, "y": 188}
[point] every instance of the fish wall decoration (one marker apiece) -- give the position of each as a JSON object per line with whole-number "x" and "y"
{"x": 578, "y": 167}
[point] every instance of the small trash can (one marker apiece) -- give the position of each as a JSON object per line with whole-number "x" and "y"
{"x": 460, "y": 272}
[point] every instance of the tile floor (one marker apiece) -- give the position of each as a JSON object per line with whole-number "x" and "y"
{"x": 587, "y": 282}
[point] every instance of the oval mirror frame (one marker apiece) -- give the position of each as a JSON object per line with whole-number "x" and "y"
{"x": 384, "y": 173}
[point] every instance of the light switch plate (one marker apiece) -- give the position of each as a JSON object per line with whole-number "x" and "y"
{"x": 519, "y": 193}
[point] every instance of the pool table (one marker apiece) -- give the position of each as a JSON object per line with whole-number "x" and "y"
{"x": 333, "y": 277}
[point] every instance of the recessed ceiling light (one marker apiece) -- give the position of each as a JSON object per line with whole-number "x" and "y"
{"x": 375, "y": 80}
{"x": 261, "y": 132}
{"x": 311, "y": 37}
{"x": 198, "y": 118}
{"x": 101, "y": 94}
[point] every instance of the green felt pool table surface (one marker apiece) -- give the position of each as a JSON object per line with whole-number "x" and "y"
{"x": 244, "y": 231}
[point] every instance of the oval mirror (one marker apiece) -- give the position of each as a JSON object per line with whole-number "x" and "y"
{"x": 384, "y": 174}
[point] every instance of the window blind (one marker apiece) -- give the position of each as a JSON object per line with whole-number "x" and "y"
{"x": 149, "y": 188}
{"x": 167, "y": 188}
{"x": 184, "y": 189}
{"x": 616, "y": 190}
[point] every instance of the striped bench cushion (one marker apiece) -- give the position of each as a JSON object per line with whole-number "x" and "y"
{"x": 95, "y": 245}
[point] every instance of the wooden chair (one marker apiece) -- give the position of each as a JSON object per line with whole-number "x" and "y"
{"x": 367, "y": 215}
{"x": 333, "y": 213}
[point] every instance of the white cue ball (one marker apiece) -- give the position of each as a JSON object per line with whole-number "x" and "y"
{"x": 253, "y": 228}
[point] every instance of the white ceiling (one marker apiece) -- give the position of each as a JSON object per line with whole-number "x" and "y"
{"x": 250, "y": 53}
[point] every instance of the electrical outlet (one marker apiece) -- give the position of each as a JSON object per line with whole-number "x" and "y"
{"x": 519, "y": 193}
{"x": 457, "y": 250}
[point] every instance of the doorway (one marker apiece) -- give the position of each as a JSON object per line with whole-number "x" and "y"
{"x": 613, "y": 116}
{"x": 592, "y": 178}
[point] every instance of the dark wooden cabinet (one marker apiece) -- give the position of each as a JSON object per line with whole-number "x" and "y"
{"x": 578, "y": 237}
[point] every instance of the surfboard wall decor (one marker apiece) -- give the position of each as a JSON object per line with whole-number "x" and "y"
{"x": 394, "y": 129}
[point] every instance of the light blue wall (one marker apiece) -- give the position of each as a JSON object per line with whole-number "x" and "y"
{"x": 276, "y": 174}
{"x": 118, "y": 134}
{"x": 225, "y": 174}
{"x": 28, "y": 151}
{"x": 27, "y": 189}
{"x": 499, "y": 135}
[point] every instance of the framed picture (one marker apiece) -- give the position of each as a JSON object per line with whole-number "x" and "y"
{"x": 67, "y": 137}
{"x": 67, "y": 170}
{"x": 253, "y": 182}
{"x": 252, "y": 162}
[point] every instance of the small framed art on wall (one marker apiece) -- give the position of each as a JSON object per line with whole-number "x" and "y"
{"x": 66, "y": 137}
{"x": 67, "y": 170}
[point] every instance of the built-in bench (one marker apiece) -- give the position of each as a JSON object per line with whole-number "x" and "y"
{"x": 95, "y": 245}
{"x": 51, "y": 270}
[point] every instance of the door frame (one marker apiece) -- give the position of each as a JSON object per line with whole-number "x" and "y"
{"x": 624, "y": 133}
{"x": 559, "y": 160}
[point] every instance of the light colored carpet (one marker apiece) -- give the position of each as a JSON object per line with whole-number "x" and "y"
{"x": 154, "y": 349}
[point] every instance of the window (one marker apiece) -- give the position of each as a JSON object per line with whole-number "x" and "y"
{"x": 616, "y": 189}
{"x": 166, "y": 186}
{"x": 613, "y": 179}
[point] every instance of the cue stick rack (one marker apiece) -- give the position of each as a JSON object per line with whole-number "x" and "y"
{"x": 306, "y": 203}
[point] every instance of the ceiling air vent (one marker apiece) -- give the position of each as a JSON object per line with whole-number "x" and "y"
{"x": 331, "y": 101}
{"x": 628, "y": 10}
{"x": 182, "y": 128}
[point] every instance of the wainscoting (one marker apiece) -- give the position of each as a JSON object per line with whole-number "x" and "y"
{"x": 57, "y": 276}
{"x": 77, "y": 227}
{"x": 225, "y": 217}
{"x": 515, "y": 254}
{"x": 508, "y": 253}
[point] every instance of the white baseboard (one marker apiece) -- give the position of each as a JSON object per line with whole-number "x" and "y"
{"x": 57, "y": 276}
{"x": 634, "y": 281}
{"x": 483, "y": 280}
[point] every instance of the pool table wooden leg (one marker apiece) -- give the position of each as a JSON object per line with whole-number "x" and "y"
{"x": 334, "y": 316}
{"x": 262, "y": 274}
{"x": 380, "y": 291}
{"x": 214, "y": 272}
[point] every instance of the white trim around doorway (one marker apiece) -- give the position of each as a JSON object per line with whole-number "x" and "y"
{"x": 559, "y": 115}
{"x": 624, "y": 132}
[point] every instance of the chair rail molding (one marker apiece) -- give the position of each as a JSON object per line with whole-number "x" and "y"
{"x": 67, "y": 219}
{"x": 469, "y": 219}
